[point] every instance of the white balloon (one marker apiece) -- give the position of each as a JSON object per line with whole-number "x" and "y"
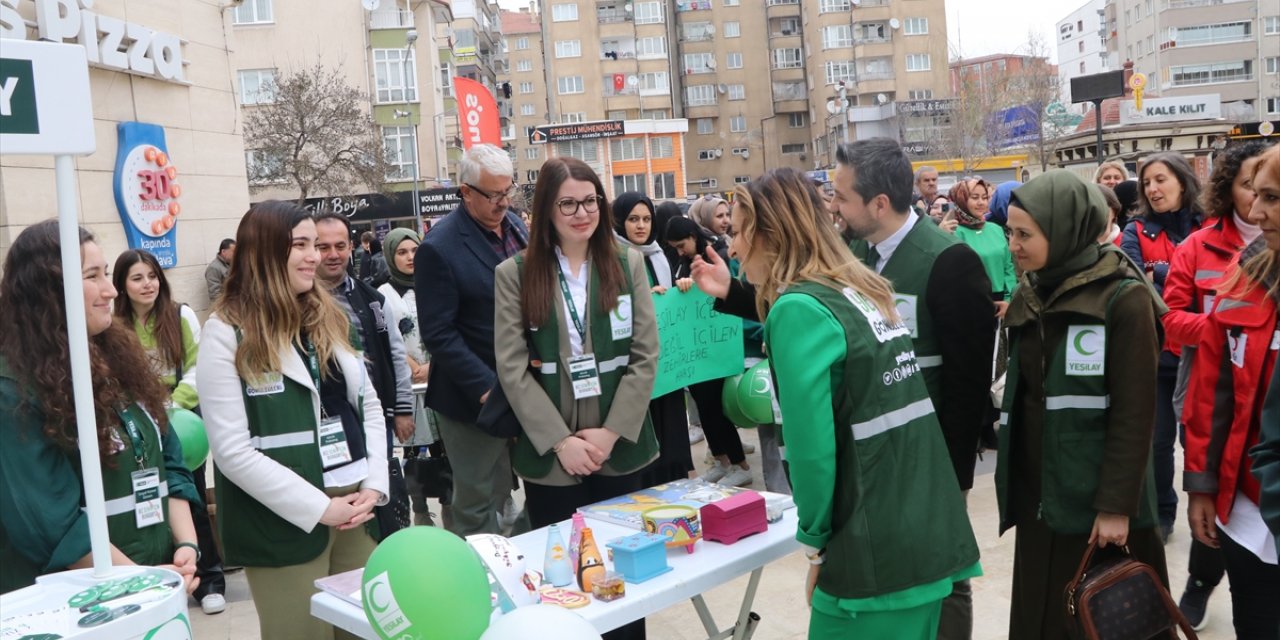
{"x": 541, "y": 621}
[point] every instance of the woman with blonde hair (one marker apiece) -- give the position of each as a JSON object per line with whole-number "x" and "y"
{"x": 881, "y": 561}
{"x": 711, "y": 212}
{"x": 1110, "y": 173}
{"x": 294, "y": 423}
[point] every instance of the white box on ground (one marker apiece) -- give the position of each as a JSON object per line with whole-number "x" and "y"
{"x": 45, "y": 108}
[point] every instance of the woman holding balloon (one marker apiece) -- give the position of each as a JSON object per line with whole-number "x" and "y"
{"x": 43, "y": 528}
{"x": 881, "y": 561}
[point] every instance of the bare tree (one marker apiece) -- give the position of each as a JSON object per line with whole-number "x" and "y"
{"x": 1036, "y": 86}
{"x": 315, "y": 133}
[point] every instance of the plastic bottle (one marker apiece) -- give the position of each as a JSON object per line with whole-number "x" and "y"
{"x": 556, "y": 567}
{"x": 590, "y": 564}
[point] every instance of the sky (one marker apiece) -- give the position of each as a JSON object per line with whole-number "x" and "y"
{"x": 979, "y": 27}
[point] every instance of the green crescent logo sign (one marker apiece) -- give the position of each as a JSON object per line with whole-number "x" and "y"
{"x": 1079, "y": 342}
{"x": 373, "y": 600}
{"x": 766, "y": 385}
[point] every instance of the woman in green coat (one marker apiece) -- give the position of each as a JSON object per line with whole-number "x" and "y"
{"x": 43, "y": 528}
{"x": 1075, "y": 442}
{"x": 880, "y": 511}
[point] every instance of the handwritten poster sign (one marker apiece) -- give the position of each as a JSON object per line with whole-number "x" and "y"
{"x": 698, "y": 344}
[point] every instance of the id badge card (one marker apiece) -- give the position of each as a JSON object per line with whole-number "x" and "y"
{"x": 333, "y": 443}
{"x": 584, "y": 376}
{"x": 147, "y": 508}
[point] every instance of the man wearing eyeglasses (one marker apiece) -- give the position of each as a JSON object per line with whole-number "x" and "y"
{"x": 453, "y": 278}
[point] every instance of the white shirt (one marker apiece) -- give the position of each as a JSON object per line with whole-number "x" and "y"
{"x": 890, "y": 244}
{"x": 578, "y": 292}
{"x": 1249, "y": 530}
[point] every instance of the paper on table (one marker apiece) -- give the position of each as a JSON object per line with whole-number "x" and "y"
{"x": 694, "y": 492}
{"x": 344, "y": 585}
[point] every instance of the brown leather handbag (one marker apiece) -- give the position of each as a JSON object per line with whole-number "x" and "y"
{"x": 1115, "y": 597}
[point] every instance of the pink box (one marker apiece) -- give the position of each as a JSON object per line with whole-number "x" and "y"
{"x": 734, "y": 518}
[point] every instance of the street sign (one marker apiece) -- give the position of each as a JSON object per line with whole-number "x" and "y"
{"x": 45, "y": 107}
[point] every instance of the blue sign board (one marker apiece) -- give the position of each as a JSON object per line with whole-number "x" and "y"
{"x": 147, "y": 190}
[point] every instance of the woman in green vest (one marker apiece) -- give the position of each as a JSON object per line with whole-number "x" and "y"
{"x": 881, "y": 514}
{"x": 1079, "y": 403}
{"x": 294, "y": 423}
{"x": 43, "y": 528}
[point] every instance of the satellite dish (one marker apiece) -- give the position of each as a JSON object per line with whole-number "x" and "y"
{"x": 711, "y": 28}
{"x": 894, "y": 23}
{"x": 370, "y": 5}
{"x": 832, "y": 107}
{"x": 722, "y": 88}
{"x": 881, "y": 98}
{"x": 632, "y": 81}
{"x": 746, "y": 153}
{"x": 711, "y": 63}
{"x": 627, "y": 7}
{"x": 718, "y": 153}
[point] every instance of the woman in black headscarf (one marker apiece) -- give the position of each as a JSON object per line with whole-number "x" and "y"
{"x": 635, "y": 226}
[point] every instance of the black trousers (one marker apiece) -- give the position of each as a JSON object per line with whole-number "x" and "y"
{"x": 722, "y": 435}
{"x": 547, "y": 505}
{"x": 1255, "y": 592}
{"x": 209, "y": 568}
{"x": 1204, "y": 564}
{"x": 1162, "y": 442}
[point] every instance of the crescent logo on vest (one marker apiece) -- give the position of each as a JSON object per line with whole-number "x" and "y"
{"x": 620, "y": 319}
{"x": 1086, "y": 350}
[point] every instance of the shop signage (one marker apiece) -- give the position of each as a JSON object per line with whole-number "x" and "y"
{"x": 577, "y": 131}
{"x": 1201, "y": 107}
{"x": 147, "y": 190}
{"x": 367, "y": 207}
{"x": 108, "y": 42}
{"x": 45, "y": 106}
{"x": 926, "y": 107}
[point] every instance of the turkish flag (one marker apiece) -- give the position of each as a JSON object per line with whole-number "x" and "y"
{"x": 477, "y": 114}
{"x": 619, "y": 81}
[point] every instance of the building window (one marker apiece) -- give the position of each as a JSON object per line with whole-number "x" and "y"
{"x": 794, "y": 148}
{"x": 839, "y": 71}
{"x": 252, "y": 12}
{"x": 917, "y": 62}
{"x": 263, "y": 168}
{"x": 622, "y": 184}
{"x": 569, "y": 49}
{"x": 837, "y": 35}
{"x": 1272, "y": 65}
{"x": 920, "y": 94}
{"x": 699, "y": 62}
{"x": 732, "y": 29}
{"x": 398, "y": 142}
{"x": 653, "y": 114}
{"x": 526, "y": 109}
{"x": 916, "y": 26}
{"x": 708, "y": 154}
{"x": 797, "y": 120}
{"x": 626, "y": 149}
{"x": 711, "y": 183}
{"x": 584, "y": 150}
{"x": 696, "y": 31}
{"x": 1082, "y": 67}
{"x": 532, "y": 153}
{"x": 522, "y": 43}
{"x": 1211, "y": 33}
{"x": 392, "y": 68}
{"x": 655, "y": 83}
{"x": 564, "y": 12}
{"x": 661, "y": 147}
{"x": 733, "y": 60}
{"x": 831, "y": 6}
{"x": 526, "y": 87}
{"x": 531, "y": 176}
{"x": 620, "y": 114}
{"x": 741, "y": 179}
{"x": 257, "y": 86}
{"x": 524, "y": 65}
{"x": 574, "y": 117}
{"x": 569, "y": 84}
{"x": 737, "y": 124}
{"x": 738, "y": 151}
{"x": 664, "y": 185}
{"x": 787, "y": 58}
{"x": 652, "y": 47}
{"x": 1273, "y": 106}
{"x": 649, "y": 13}
{"x": 731, "y": 3}
{"x": 706, "y": 126}
{"x": 1080, "y": 46}
{"x": 446, "y": 79}
{"x": 1271, "y": 25}
{"x": 737, "y": 92}
{"x": 699, "y": 95}
{"x": 1196, "y": 74}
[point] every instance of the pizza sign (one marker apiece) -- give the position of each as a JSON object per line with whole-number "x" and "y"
{"x": 147, "y": 191}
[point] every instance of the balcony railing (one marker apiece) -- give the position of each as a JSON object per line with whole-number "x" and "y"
{"x": 613, "y": 15}
{"x": 872, "y": 39}
{"x": 787, "y": 64}
{"x": 776, "y": 3}
{"x": 875, "y": 75}
{"x": 1203, "y": 79}
{"x": 610, "y": 91}
{"x": 390, "y": 19}
{"x": 693, "y": 5}
{"x": 1183, "y": 4}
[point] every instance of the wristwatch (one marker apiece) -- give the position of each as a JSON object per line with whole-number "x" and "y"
{"x": 193, "y": 546}
{"x": 816, "y": 558}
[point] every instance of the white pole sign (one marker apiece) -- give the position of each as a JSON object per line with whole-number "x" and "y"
{"x": 45, "y": 107}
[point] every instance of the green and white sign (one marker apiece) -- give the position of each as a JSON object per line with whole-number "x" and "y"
{"x": 1086, "y": 350}
{"x": 45, "y": 106}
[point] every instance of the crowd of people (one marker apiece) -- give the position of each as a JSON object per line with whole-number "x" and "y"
{"x": 1079, "y": 329}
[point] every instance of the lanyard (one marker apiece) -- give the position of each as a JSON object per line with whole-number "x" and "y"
{"x": 313, "y": 367}
{"x": 573, "y": 306}
{"x": 135, "y": 437}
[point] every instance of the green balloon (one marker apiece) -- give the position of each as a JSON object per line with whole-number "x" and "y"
{"x": 425, "y": 583}
{"x": 729, "y": 402}
{"x": 189, "y": 428}
{"x": 755, "y": 394}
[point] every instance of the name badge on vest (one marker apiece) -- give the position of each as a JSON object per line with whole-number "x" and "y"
{"x": 1086, "y": 350}
{"x": 1237, "y": 345}
{"x": 1275, "y": 341}
{"x": 906, "y": 306}
{"x": 269, "y": 384}
{"x": 147, "y": 509}
{"x": 620, "y": 319}
{"x": 333, "y": 443}
{"x": 584, "y": 376}
{"x": 880, "y": 326}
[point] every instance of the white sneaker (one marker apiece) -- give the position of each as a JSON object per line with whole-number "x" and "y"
{"x": 213, "y": 603}
{"x": 508, "y": 514}
{"x": 715, "y": 473}
{"x": 748, "y": 448}
{"x": 695, "y": 434}
{"x": 737, "y": 477}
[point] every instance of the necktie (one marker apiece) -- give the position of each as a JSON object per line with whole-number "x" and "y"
{"x": 873, "y": 258}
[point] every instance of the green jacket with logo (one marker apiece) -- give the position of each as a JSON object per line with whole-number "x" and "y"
{"x": 1078, "y": 412}
{"x": 869, "y": 466}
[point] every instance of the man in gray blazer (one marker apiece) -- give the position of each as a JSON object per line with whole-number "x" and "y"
{"x": 453, "y": 278}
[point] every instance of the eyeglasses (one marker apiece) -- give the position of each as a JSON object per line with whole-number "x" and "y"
{"x": 569, "y": 207}
{"x": 494, "y": 198}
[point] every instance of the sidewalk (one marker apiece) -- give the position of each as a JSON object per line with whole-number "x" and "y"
{"x": 780, "y": 600}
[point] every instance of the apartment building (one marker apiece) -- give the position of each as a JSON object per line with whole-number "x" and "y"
{"x": 1081, "y": 40}
{"x": 374, "y": 50}
{"x": 522, "y": 33}
{"x": 1227, "y": 48}
{"x": 478, "y": 53}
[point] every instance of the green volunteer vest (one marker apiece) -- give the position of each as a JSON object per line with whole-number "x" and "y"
{"x": 612, "y": 357}
{"x": 147, "y": 545}
{"x": 898, "y": 518}
{"x": 1075, "y": 427}
{"x": 908, "y": 270}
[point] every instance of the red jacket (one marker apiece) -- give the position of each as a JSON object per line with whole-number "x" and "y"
{"x": 1197, "y": 266}
{"x": 1151, "y": 244}
{"x": 1237, "y": 352}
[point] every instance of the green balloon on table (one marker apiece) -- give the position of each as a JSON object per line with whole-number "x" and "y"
{"x": 425, "y": 583}
{"x": 189, "y": 428}
{"x": 729, "y": 402}
{"x": 755, "y": 394}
